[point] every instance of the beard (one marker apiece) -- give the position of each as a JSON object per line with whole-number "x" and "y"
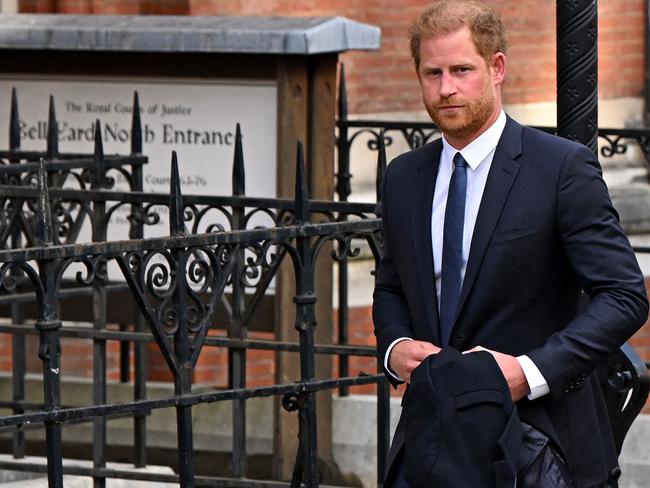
{"x": 466, "y": 120}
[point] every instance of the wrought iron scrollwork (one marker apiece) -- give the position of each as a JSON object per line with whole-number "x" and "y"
{"x": 417, "y": 137}
{"x": 95, "y": 269}
{"x": 291, "y": 402}
{"x": 614, "y": 146}
{"x": 10, "y": 271}
{"x": 344, "y": 249}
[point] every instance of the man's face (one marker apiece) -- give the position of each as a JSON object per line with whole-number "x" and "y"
{"x": 460, "y": 91}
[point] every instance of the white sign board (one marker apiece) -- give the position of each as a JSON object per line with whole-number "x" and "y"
{"x": 196, "y": 118}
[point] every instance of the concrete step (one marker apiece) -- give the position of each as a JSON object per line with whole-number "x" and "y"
{"x": 635, "y": 475}
{"x": 18, "y": 479}
{"x": 635, "y": 457}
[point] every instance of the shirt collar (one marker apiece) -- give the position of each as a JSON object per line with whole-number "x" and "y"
{"x": 477, "y": 150}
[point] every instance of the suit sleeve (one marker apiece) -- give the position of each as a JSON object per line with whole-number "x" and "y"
{"x": 602, "y": 258}
{"x": 390, "y": 311}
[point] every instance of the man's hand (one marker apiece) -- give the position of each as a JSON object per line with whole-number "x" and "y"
{"x": 512, "y": 372}
{"x": 407, "y": 355}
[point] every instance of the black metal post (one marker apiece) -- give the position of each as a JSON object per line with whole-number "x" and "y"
{"x": 305, "y": 301}
{"x": 48, "y": 326}
{"x": 383, "y": 388}
{"x": 237, "y": 330}
{"x": 99, "y": 312}
{"x": 136, "y": 231}
{"x": 343, "y": 189}
{"x": 577, "y": 71}
{"x": 182, "y": 378}
{"x": 18, "y": 360}
{"x": 342, "y": 144}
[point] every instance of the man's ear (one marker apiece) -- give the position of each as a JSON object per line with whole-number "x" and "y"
{"x": 498, "y": 68}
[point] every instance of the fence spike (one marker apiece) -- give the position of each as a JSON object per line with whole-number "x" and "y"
{"x": 99, "y": 169}
{"x": 343, "y": 95}
{"x": 342, "y": 144}
{"x": 238, "y": 171}
{"x": 52, "y": 132}
{"x": 14, "y": 123}
{"x": 43, "y": 231}
{"x": 301, "y": 191}
{"x": 176, "y": 221}
{"x": 381, "y": 164}
{"x": 136, "y": 126}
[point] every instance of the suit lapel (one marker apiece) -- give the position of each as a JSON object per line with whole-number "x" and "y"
{"x": 421, "y": 201}
{"x": 497, "y": 187}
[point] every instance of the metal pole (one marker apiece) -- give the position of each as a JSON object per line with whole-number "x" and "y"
{"x": 182, "y": 378}
{"x": 237, "y": 356}
{"x": 577, "y": 71}
{"x": 18, "y": 352}
{"x": 139, "y": 348}
{"x": 383, "y": 389}
{"x": 305, "y": 301}
{"x": 48, "y": 325}
{"x": 99, "y": 314}
{"x": 343, "y": 189}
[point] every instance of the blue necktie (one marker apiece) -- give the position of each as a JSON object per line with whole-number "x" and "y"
{"x": 452, "y": 248}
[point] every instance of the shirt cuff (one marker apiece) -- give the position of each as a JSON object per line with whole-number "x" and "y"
{"x": 536, "y": 382}
{"x": 387, "y": 356}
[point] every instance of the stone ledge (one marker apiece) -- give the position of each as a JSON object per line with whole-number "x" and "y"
{"x": 205, "y": 34}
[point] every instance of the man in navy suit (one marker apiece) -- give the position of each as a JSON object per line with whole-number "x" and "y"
{"x": 491, "y": 235}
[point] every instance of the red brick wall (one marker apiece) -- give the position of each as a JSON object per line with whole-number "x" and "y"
{"x": 122, "y": 7}
{"x": 36, "y": 6}
{"x": 5, "y": 352}
{"x": 212, "y": 366}
{"x": 76, "y": 358}
{"x": 384, "y": 81}
{"x": 622, "y": 47}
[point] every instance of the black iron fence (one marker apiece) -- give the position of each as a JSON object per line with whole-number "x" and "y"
{"x": 177, "y": 283}
{"x": 612, "y": 141}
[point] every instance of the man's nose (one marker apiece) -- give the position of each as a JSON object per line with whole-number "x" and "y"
{"x": 447, "y": 85}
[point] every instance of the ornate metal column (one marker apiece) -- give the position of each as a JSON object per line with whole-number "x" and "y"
{"x": 577, "y": 71}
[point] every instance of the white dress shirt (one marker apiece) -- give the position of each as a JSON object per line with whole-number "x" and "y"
{"x": 478, "y": 154}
